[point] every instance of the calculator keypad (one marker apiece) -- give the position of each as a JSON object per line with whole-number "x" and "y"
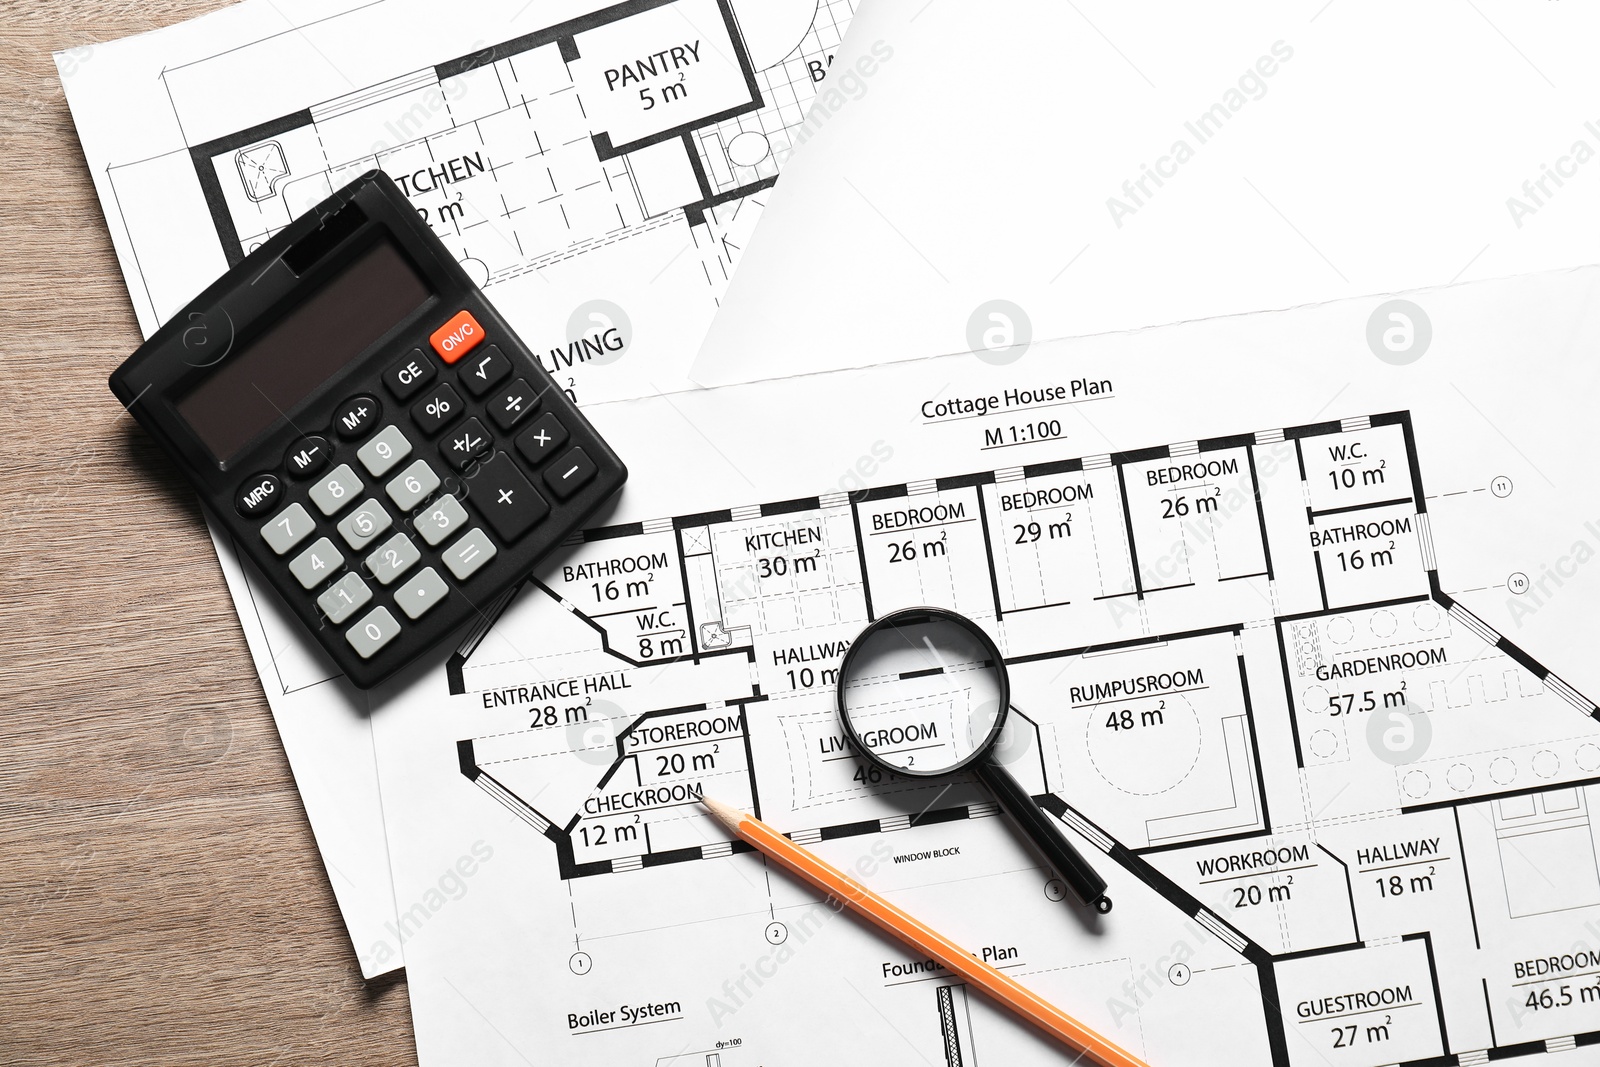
{"x": 392, "y": 559}
{"x": 356, "y": 417}
{"x": 379, "y": 535}
{"x": 470, "y": 553}
{"x": 441, "y": 519}
{"x": 541, "y": 440}
{"x": 465, "y": 443}
{"x": 288, "y": 528}
{"x": 412, "y": 486}
{"x": 313, "y": 566}
{"x": 337, "y": 491}
{"x": 438, "y": 409}
{"x": 457, "y": 337}
{"x": 372, "y": 631}
{"x": 484, "y": 369}
{"x": 363, "y": 524}
{"x": 513, "y": 404}
{"x": 380, "y": 454}
{"x": 569, "y": 473}
{"x": 506, "y": 498}
{"x": 421, "y": 593}
{"x": 408, "y": 376}
{"x": 344, "y": 598}
{"x": 258, "y": 495}
{"x": 306, "y": 457}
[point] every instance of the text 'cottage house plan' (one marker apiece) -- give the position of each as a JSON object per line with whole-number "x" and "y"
{"x": 1207, "y": 641}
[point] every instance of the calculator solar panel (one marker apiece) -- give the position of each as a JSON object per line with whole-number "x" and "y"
{"x": 374, "y": 436}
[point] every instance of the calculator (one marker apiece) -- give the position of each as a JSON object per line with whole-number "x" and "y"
{"x": 370, "y": 431}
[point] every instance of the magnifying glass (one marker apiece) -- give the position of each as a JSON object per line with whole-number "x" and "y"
{"x": 923, "y": 693}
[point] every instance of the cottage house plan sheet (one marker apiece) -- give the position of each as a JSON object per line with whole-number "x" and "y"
{"x": 1301, "y": 658}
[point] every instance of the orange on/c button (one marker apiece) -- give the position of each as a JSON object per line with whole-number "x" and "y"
{"x": 455, "y": 338}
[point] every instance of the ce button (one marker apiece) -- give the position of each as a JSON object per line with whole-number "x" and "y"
{"x": 409, "y": 375}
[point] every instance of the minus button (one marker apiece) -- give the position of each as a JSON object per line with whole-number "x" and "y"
{"x": 569, "y": 473}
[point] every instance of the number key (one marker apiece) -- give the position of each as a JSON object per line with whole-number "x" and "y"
{"x": 444, "y": 518}
{"x": 392, "y": 559}
{"x": 344, "y": 597}
{"x": 381, "y": 453}
{"x": 374, "y": 630}
{"x": 364, "y": 523}
{"x": 313, "y": 566}
{"x": 288, "y": 528}
{"x": 337, "y": 491}
{"x": 412, "y": 486}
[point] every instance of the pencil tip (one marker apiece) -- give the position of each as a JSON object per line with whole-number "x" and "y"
{"x": 726, "y": 814}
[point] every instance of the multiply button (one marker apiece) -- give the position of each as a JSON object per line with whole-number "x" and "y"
{"x": 540, "y": 441}
{"x": 457, "y": 337}
{"x": 409, "y": 375}
{"x": 258, "y": 494}
{"x": 506, "y": 498}
{"x": 306, "y": 457}
{"x": 484, "y": 370}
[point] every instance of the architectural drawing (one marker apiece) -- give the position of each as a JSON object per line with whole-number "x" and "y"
{"x": 1204, "y": 639}
{"x": 564, "y": 166}
{"x": 597, "y": 166}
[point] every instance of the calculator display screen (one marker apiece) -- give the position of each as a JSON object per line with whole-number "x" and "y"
{"x": 270, "y": 376}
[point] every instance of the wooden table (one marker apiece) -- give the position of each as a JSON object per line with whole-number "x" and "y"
{"x": 161, "y": 894}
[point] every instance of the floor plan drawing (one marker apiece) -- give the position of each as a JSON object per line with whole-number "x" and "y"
{"x": 1236, "y": 673}
{"x": 598, "y": 174}
{"x": 548, "y": 146}
{"x": 597, "y": 167}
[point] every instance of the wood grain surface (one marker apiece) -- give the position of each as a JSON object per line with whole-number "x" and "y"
{"x": 161, "y": 894}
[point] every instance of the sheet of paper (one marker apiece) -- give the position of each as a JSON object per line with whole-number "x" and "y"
{"x": 1301, "y": 655}
{"x": 597, "y": 168}
{"x": 1047, "y": 170}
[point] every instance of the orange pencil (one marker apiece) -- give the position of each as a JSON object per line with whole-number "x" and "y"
{"x": 884, "y": 915}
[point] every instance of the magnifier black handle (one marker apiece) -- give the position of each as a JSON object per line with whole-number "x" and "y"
{"x": 1085, "y": 883}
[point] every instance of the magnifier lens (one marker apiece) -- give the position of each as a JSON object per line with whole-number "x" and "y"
{"x": 922, "y": 697}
